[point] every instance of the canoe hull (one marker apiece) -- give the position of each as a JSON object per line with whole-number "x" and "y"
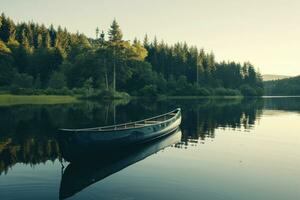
{"x": 130, "y": 136}
{"x": 76, "y": 143}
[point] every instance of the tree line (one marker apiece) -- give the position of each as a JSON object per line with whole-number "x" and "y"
{"x": 39, "y": 59}
{"x": 288, "y": 86}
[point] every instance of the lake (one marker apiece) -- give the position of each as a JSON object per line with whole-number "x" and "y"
{"x": 230, "y": 149}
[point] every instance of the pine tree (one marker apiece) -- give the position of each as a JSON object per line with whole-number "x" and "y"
{"x": 115, "y": 33}
{"x": 102, "y": 38}
{"x": 97, "y": 33}
{"x": 39, "y": 41}
{"x": 52, "y": 34}
{"x": 135, "y": 41}
{"x": 146, "y": 41}
{"x": 7, "y": 29}
{"x": 25, "y": 43}
{"x": 115, "y": 38}
{"x": 46, "y": 40}
{"x": 155, "y": 43}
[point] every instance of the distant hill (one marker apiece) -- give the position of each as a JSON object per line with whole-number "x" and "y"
{"x": 288, "y": 86}
{"x": 272, "y": 77}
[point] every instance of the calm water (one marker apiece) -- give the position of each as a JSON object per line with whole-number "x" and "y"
{"x": 226, "y": 150}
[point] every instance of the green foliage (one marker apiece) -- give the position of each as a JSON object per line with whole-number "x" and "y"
{"x": 247, "y": 90}
{"x": 289, "y": 87}
{"x": 23, "y": 81}
{"x": 57, "y": 80}
{"x": 7, "y": 70}
{"x": 88, "y": 86}
{"x": 49, "y": 91}
{"x": 7, "y": 28}
{"x": 107, "y": 95}
{"x": 36, "y": 59}
{"x": 202, "y": 92}
{"x": 3, "y": 48}
{"x": 37, "y": 82}
{"x": 149, "y": 91}
{"x": 115, "y": 33}
{"x": 138, "y": 51}
{"x": 226, "y": 92}
{"x": 115, "y": 95}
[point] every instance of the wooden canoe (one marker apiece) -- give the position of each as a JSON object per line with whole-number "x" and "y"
{"x": 124, "y": 134}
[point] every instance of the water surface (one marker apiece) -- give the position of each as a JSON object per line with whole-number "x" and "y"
{"x": 226, "y": 150}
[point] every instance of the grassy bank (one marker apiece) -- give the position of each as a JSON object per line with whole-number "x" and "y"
{"x": 8, "y": 99}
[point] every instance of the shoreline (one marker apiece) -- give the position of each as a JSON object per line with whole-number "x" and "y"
{"x": 10, "y": 100}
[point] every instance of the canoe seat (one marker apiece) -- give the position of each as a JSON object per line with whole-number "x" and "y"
{"x": 151, "y": 122}
{"x": 139, "y": 124}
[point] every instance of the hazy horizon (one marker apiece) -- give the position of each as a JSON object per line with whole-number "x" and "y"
{"x": 266, "y": 32}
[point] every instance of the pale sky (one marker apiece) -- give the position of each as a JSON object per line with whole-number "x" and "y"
{"x": 264, "y": 32}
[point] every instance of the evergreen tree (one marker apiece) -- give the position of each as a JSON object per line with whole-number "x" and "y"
{"x": 97, "y": 33}
{"x": 102, "y": 38}
{"x": 115, "y": 33}
{"x": 115, "y": 39}
{"x": 7, "y": 72}
{"x": 39, "y": 41}
{"x": 146, "y": 41}
{"x": 52, "y": 34}
{"x": 7, "y": 29}
{"x": 46, "y": 40}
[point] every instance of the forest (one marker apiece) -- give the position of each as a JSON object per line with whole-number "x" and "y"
{"x": 288, "y": 87}
{"x": 35, "y": 59}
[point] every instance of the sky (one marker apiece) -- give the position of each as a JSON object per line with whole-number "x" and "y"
{"x": 263, "y": 32}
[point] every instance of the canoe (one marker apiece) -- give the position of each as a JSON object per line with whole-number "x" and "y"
{"x": 81, "y": 174}
{"x": 124, "y": 134}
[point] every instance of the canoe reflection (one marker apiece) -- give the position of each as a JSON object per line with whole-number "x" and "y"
{"x": 81, "y": 173}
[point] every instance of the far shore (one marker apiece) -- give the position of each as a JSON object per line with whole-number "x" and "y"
{"x": 9, "y": 99}
{"x": 198, "y": 97}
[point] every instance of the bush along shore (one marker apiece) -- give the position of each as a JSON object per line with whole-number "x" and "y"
{"x": 40, "y": 60}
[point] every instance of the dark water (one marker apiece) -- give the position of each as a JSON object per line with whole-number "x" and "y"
{"x": 226, "y": 149}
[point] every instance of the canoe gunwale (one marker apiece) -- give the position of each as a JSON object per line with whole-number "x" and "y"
{"x": 136, "y": 124}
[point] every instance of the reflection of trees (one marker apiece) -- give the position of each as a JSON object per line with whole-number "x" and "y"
{"x": 287, "y": 104}
{"x": 200, "y": 117}
{"x": 29, "y": 151}
{"x": 32, "y": 120}
{"x": 28, "y": 133}
{"x": 202, "y": 120}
